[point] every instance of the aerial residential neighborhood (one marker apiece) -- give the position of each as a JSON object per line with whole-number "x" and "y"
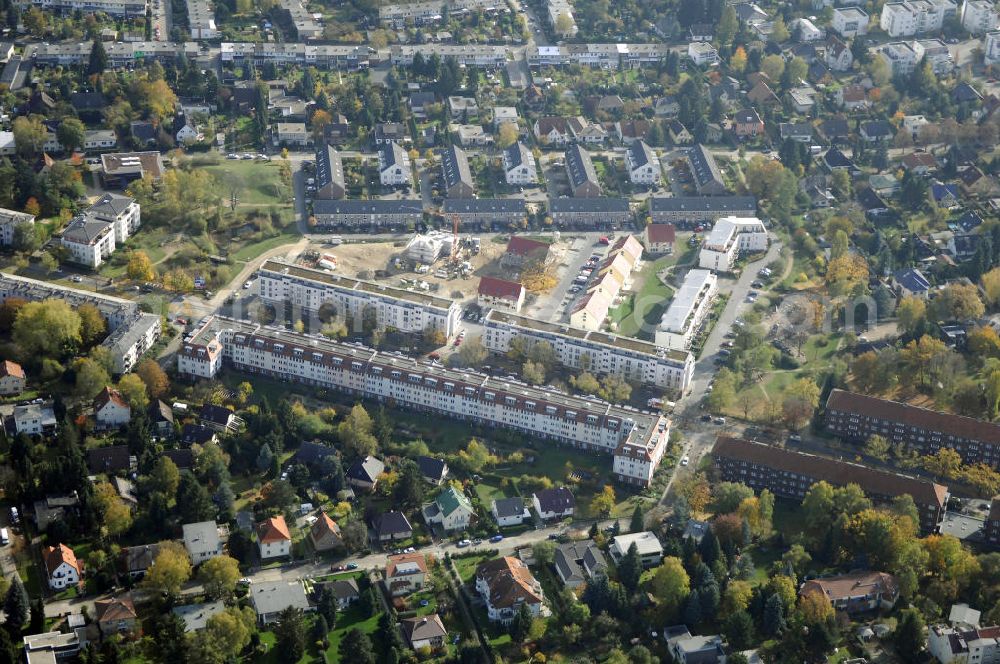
{"x": 480, "y": 331}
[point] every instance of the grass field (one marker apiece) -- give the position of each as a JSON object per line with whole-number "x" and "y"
{"x": 261, "y": 180}
{"x": 638, "y": 314}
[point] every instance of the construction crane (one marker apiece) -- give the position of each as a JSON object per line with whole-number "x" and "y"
{"x": 454, "y": 239}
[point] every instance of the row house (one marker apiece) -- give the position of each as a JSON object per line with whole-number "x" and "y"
{"x": 464, "y": 395}
{"x": 700, "y": 208}
{"x": 485, "y": 212}
{"x": 857, "y": 417}
{"x": 790, "y": 473}
{"x": 307, "y": 290}
{"x": 470, "y": 55}
{"x": 117, "y": 8}
{"x": 375, "y": 213}
{"x": 632, "y": 359}
{"x": 597, "y": 213}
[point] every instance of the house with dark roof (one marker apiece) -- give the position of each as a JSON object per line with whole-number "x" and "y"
{"x": 161, "y": 417}
{"x": 458, "y": 181}
{"x": 432, "y": 469}
{"x": 116, "y": 615}
{"x": 345, "y": 591}
{"x": 509, "y": 511}
{"x": 578, "y": 562}
{"x": 329, "y": 173}
{"x": 112, "y": 459}
{"x": 600, "y": 212}
{"x": 310, "y": 452}
{"x": 143, "y": 133}
{"x": 836, "y": 161}
{"x": 873, "y": 204}
{"x": 364, "y": 473}
{"x": 708, "y": 178}
{"x": 747, "y": 123}
{"x": 835, "y": 129}
{"x": 135, "y": 560}
{"x": 451, "y": 510}
{"x": 391, "y": 527}
{"x": 789, "y": 473}
{"x": 583, "y": 181}
{"x": 556, "y": 503}
{"x": 200, "y": 434}
{"x": 88, "y": 105}
{"x": 220, "y": 418}
{"x": 945, "y": 195}
{"x": 182, "y": 458}
{"x": 424, "y": 631}
{"x": 910, "y": 282}
{"x": 325, "y": 534}
{"x": 875, "y": 131}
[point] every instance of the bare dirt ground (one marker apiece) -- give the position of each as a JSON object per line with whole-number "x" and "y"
{"x": 362, "y": 260}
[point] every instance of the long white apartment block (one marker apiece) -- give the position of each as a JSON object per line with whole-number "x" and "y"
{"x": 131, "y": 332}
{"x": 991, "y": 48}
{"x": 9, "y": 221}
{"x": 731, "y": 238}
{"x": 979, "y": 16}
{"x": 687, "y": 311}
{"x": 638, "y": 437}
{"x": 913, "y": 17}
{"x": 130, "y": 8}
{"x": 201, "y": 19}
{"x": 600, "y": 352}
{"x": 308, "y": 290}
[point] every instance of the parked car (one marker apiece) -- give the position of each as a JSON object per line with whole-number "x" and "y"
{"x": 463, "y": 543}
{"x": 496, "y": 538}
{"x": 685, "y": 460}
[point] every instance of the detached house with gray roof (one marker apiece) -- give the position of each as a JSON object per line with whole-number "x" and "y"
{"x": 457, "y": 175}
{"x": 364, "y": 473}
{"x": 578, "y": 562}
{"x": 519, "y": 165}
{"x": 643, "y": 165}
{"x": 580, "y": 171}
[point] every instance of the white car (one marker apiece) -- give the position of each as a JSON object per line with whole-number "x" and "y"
{"x": 464, "y": 543}
{"x": 312, "y": 519}
{"x": 685, "y": 460}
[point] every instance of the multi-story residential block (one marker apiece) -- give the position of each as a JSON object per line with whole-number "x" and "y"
{"x": 560, "y": 15}
{"x": 580, "y": 171}
{"x": 991, "y": 529}
{"x": 519, "y": 165}
{"x": 89, "y": 242}
{"x": 127, "y": 8}
{"x": 131, "y": 332}
{"x": 849, "y": 22}
{"x": 306, "y": 291}
{"x": 961, "y": 644}
{"x": 703, "y": 53}
{"x": 376, "y": 213}
{"x": 465, "y": 395}
{"x": 991, "y": 48}
{"x": 937, "y": 53}
{"x": 731, "y": 238}
{"x": 857, "y": 417}
{"x": 643, "y": 164}
{"x": 687, "y": 310}
{"x": 979, "y": 16}
{"x": 900, "y": 56}
{"x": 325, "y": 56}
{"x": 394, "y": 165}
{"x": 201, "y": 19}
{"x": 633, "y": 359}
{"x": 700, "y": 208}
{"x": 9, "y": 221}
{"x": 457, "y": 175}
{"x": 306, "y": 27}
{"x": 485, "y": 212}
{"x": 647, "y": 545}
{"x": 589, "y": 212}
{"x": 470, "y": 55}
{"x": 912, "y": 17}
{"x": 294, "y": 134}
{"x": 330, "y": 182}
{"x": 123, "y": 212}
{"x": 789, "y": 474}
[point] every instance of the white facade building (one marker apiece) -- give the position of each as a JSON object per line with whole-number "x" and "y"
{"x": 849, "y": 21}
{"x": 133, "y": 8}
{"x": 307, "y": 290}
{"x": 979, "y": 16}
{"x": 393, "y": 166}
{"x": 703, "y": 53}
{"x": 964, "y": 644}
{"x": 991, "y": 49}
{"x": 643, "y": 165}
{"x": 731, "y": 238}
{"x": 314, "y": 360}
{"x": 201, "y": 19}
{"x": 10, "y": 220}
{"x": 687, "y": 311}
{"x": 89, "y": 242}
{"x": 912, "y": 17}
{"x": 519, "y": 165}
{"x": 603, "y": 353}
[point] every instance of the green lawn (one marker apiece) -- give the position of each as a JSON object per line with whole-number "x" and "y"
{"x": 262, "y": 184}
{"x": 639, "y": 313}
{"x": 346, "y": 621}
{"x": 251, "y": 251}
{"x": 467, "y": 566}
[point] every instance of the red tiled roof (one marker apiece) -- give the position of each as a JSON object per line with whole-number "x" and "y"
{"x": 852, "y": 585}
{"x": 923, "y": 418}
{"x": 57, "y": 555}
{"x": 522, "y": 246}
{"x": 510, "y": 582}
{"x": 8, "y": 368}
{"x": 325, "y": 525}
{"x": 658, "y": 233}
{"x": 838, "y": 473}
{"x": 109, "y": 395}
{"x": 114, "y": 609}
{"x": 493, "y": 287}
{"x": 405, "y": 558}
{"x": 273, "y": 530}
{"x": 917, "y": 159}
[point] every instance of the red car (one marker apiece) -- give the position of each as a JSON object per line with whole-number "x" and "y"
{"x": 434, "y": 356}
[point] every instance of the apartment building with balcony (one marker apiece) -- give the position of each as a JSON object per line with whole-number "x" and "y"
{"x": 790, "y": 473}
